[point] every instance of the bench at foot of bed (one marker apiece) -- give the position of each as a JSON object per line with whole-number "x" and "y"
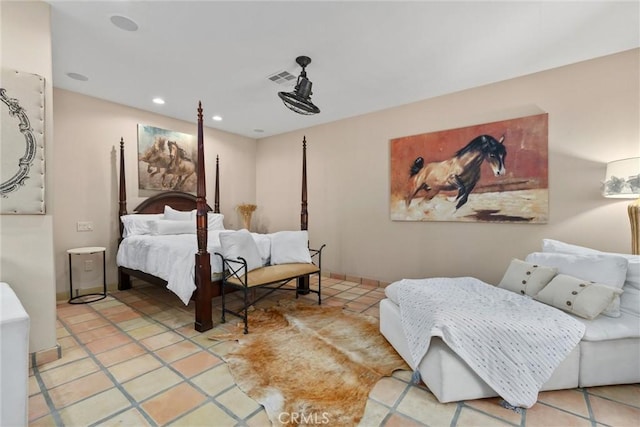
{"x": 271, "y": 277}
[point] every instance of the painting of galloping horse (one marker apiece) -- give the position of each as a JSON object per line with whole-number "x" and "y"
{"x": 166, "y": 160}
{"x": 493, "y": 172}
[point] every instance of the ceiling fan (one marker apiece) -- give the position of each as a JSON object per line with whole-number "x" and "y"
{"x": 300, "y": 99}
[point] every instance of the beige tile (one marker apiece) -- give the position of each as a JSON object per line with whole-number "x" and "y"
{"x": 34, "y": 387}
{"x": 135, "y": 367}
{"x": 613, "y": 413}
{"x": 399, "y": 420}
{"x": 238, "y": 402}
{"x": 151, "y": 383}
{"x": 260, "y": 419}
{"x": 96, "y": 333}
{"x": 95, "y": 408}
{"x": 543, "y": 416}
{"x": 421, "y": 405}
{"x": 205, "y": 416}
{"x": 68, "y": 355}
{"x": 387, "y": 391}
{"x": 172, "y": 403}
{"x": 492, "y": 407}
{"x": 37, "y": 407}
{"x": 177, "y": 351}
{"x": 90, "y": 315}
{"x": 47, "y": 421}
{"x": 570, "y": 400}
{"x": 147, "y": 331}
{"x": 215, "y": 380}
{"x": 161, "y": 340}
{"x": 120, "y": 354}
{"x": 68, "y": 372}
{"x": 129, "y": 325}
{"x": 374, "y": 414}
{"x": 81, "y": 388}
{"x": 626, "y": 393}
{"x": 132, "y": 418}
{"x": 196, "y": 363}
{"x": 470, "y": 418}
{"x": 108, "y": 343}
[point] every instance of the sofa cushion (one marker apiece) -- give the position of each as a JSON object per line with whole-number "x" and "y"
{"x": 606, "y": 269}
{"x": 576, "y": 296}
{"x": 526, "y": 278}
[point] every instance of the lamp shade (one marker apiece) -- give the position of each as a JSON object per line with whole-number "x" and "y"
{"x": 622, "y": 179}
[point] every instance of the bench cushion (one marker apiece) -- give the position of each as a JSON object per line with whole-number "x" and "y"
{"x": 275, "y": 273}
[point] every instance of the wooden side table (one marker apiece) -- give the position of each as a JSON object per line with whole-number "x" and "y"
{"x": 81, "y": 299}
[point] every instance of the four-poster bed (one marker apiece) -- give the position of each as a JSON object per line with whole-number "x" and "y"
{"x": 205, "y": 286}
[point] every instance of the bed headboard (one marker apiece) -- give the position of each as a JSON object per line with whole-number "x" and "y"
{"x": 176, "y": 199}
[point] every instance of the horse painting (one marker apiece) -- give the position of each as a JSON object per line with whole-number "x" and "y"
{"x": 157, "y": 158}
{"x": 459, "y": 173}
{"x": 180, "y": 165}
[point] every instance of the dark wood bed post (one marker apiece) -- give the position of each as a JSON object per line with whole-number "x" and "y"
{"x": 124, "y": 280}
{"x": 303, "y": 282}
{"x": 203, "y": 294}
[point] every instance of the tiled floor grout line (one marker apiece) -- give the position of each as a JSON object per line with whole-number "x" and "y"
{"x": 209, "y": 398}
{"x": 463, "y": 405}
{"x": 134, "y": 404}
{"x": 47, "y": 397}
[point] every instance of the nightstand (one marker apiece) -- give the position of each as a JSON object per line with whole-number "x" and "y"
{"x": 82, "y": 299}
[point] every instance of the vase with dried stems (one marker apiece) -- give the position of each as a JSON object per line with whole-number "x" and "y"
{"x": 246, "y": 211}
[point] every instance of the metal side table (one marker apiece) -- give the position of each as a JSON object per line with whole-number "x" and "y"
{"x": 82, "y": 299}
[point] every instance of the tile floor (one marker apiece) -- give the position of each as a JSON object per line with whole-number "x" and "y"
{"x": 134, "y": 359}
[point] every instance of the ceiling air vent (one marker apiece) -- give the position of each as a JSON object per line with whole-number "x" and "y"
{"x": 283, "y": 78}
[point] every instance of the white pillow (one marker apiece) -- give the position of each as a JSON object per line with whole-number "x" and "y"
{"x": 610, "y": 270}
{"x": 576, "y": 296}
{"x": 290, "y": 247}
{"x": 633, "y": 271}
{"x": 236, "y": 244}
{"x": 162, "y": 227}
{"x": 630, "y": 301}
{"x": 137, "y": 224}
{"x": 526, "y": 278}
{"x": 215, "y": 221}
{"x": 175, "y": 215}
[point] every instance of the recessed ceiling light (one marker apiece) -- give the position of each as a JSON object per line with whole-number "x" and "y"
{"x": 217, "y": 118}
{"x": 258, "y": 130}
{"x": 158, "y": 101}
{"x": 123, "y": 23}
{"x": 78, "y": 76}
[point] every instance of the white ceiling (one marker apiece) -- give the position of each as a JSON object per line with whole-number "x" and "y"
{"x": 366, "y": 56}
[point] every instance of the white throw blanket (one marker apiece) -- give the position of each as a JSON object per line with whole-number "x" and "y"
{"x": 512, "y": 342}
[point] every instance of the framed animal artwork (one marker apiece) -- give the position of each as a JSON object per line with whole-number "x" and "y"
{"x": 492, "y": 172}
{"x": 167, "y": 160}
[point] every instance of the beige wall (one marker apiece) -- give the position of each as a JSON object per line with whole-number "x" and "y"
{"x": 26, "y": 241}
{"x": 87, "y": 156}
{"x": 594, "y": 115}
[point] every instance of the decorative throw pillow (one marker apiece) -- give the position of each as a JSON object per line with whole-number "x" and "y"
{"x": 289, "y": 247}
{"x": 526, "y": 278}
{"x": 576, "y": 296}
{"x": 138, "y": 224}
{"x": 240, "y": 244}
{"x": 163, "y": 227}
{"x": 633, "y": 271}
{"x": 175, "y": 215}
{"x": 606, "y": 269}
{"x": 215, "y": 221}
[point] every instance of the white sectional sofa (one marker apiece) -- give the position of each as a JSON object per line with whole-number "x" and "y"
{"x": 609, "y": 352}
{"x": 14, "y": 359}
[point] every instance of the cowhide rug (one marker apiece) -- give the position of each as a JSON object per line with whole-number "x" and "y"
{"x": 309, "y": 364}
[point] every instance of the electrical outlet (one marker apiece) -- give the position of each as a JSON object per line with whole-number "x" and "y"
{"x": 85, "y": 226}
{"x": 88, "y": 265}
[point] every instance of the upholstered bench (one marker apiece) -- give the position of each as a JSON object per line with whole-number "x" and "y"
{"x": 243, "y": 270}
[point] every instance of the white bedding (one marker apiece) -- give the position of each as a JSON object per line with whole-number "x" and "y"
{"x": 512, "y": 342}
{"x": 172, "y": 257}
